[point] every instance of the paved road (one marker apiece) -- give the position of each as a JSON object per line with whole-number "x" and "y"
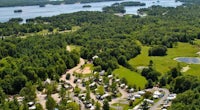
{"x": 157, "y": 104}
{"x": 124, "y": 95}
{"x": 71, "y": 71}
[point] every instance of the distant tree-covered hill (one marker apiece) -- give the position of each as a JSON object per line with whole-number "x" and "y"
{"x": 8, "y": 3}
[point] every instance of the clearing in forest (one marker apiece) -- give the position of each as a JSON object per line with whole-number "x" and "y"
{"x": 164, "y": 63}
{"x": 133, "y": 78}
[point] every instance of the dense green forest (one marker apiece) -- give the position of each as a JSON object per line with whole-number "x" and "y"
{"x": 33, "y": 59}
{"x": 190, "y": 1}
{"x": 186, "y": 86}
{"x": 114, "y": 8}
{"x": 112, "y": 38}
{"x": 132, "y": 4}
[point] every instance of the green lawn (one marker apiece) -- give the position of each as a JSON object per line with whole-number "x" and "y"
{"x": 165, "y": 63}
{"x": 124, "y": 106}
{"x": 75, "y": 47}
{"x": 91, "y": 66}
{"x": 131, "y": 76}
{"x": 137, "y": 101}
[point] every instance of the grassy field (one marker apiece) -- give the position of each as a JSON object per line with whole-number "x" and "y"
{"x": 75, "y": 47}
{"x": 46, "y": 32}
{"x": 90, "y": 65}
{"x": 131, "y": 76}
{"x": 126, "y": 106}
{"x": 165, "y": 63}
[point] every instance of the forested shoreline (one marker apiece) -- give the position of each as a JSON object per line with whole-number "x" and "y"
{"x": 114, "y": 39}
{"x": 11, "y": 3}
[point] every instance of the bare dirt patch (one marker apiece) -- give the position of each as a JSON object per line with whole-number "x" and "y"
{"x": 185, "y": 69}
{"x": 68, "y": 48}
{"x": 85, "y": 70}
{"x": 198, "y": 53}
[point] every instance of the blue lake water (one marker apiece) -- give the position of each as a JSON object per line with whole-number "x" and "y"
{"x": 189, "y": 60}
{"x": 7, "y": 13}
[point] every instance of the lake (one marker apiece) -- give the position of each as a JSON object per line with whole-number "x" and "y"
{"x": 7, "y": 13}
{"x": 189, "y": 60}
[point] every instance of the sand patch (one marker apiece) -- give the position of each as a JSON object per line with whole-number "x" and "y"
{"x": 85, "y": 70}
{"x": 198, "y": 53}
{"x": 185, "y": 69}
{"x": 141, "y": 67}
{"x": 68, "y": 48}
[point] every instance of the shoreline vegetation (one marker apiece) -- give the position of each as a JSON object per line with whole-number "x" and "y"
{"x": 10, "y": 3}
{"x": 87, "y": 6}
{"x": 132, "y": 3}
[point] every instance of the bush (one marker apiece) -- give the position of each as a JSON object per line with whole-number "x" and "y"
{"x": 68, "y": 76}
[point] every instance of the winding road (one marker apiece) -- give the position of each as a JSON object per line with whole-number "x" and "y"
{"x": 71, "y": 81}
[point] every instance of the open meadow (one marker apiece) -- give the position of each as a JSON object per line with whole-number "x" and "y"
{"x": 164, "y": 63}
